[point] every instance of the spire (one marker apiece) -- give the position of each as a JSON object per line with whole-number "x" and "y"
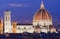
{"x": 42, "y": 5}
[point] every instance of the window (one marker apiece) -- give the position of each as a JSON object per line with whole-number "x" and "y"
{"x": 18, "y": 27}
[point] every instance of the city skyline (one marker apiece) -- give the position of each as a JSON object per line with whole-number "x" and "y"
{"x": 23, "y": 11}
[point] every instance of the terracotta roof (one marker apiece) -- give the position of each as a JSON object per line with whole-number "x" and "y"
{"x": 42, "y": 14}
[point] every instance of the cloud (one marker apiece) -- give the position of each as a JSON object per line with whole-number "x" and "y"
{"x": 18, "y": 5}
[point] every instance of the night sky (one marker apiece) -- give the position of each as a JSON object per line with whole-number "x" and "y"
{"x": 23, "y": 11}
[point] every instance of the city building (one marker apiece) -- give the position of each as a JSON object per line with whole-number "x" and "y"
{"x": 42, "y": 18}
{"x": 7, "y": 21}
{"x": 1, "y": 26}
{"x": 42, "y": 22}
{"x": 14, "y": 24}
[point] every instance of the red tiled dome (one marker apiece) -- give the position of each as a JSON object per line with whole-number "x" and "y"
{"x": 42, "y": 14}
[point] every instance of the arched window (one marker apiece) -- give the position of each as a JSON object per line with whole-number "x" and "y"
{"x": 18, "y": 27}
{"x": 44, "y": 24}
{"x": 37, "y": 24}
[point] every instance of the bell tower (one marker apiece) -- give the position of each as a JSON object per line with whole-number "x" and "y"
{"x": 7, "y": 21}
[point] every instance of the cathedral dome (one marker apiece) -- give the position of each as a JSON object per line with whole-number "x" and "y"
{"x": 42, "y": 15}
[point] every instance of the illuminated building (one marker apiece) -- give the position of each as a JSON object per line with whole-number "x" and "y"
{"x": 42, "y": 18}
{"x": 53, "y": 29}
{"x": 1, "y": 26}
{"x": 7, "y": 21}
{"x": 25, "y": 28}
{"x": 41, "y": 23}
{"x": 14, "y": 24}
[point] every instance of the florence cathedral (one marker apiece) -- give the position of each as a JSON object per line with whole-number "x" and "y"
{"x": 42, "y": 22}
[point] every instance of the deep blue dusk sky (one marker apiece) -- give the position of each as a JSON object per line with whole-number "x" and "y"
{"x": 23, "y": 10}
